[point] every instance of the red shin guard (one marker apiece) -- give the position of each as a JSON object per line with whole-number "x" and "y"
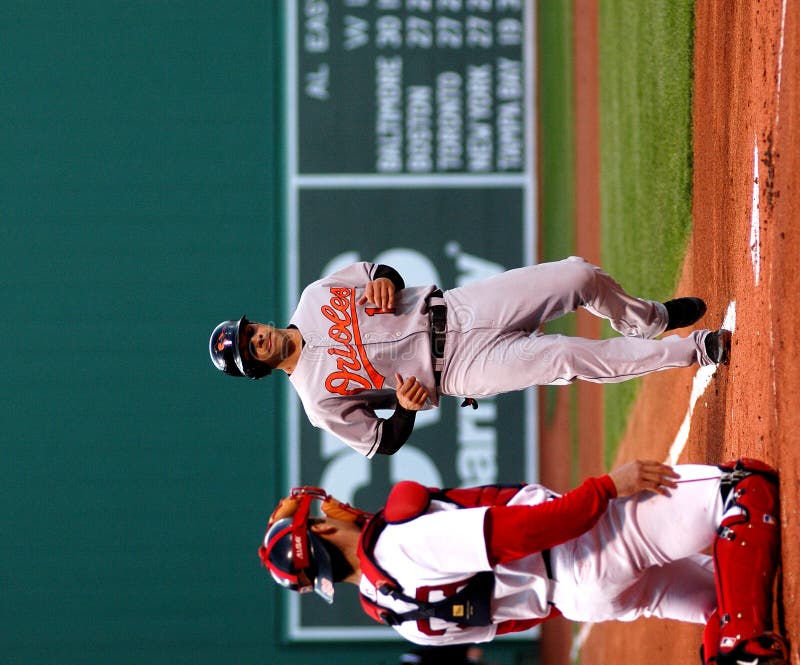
{"x": 708, "y": 651}
{"x": 746, "y": 552}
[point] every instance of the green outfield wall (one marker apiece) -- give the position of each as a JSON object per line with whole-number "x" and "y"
{"x": 156, "y": 178}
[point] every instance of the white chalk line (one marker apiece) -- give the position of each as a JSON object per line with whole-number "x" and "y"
{"x": 702, "y": 379}
{"x": 700, "y": 383}
{"x": 780, "y": 64}
{"x": 755, "y": 218}
{"x": 579, "y": 640}
{"x": 755, "y": 228}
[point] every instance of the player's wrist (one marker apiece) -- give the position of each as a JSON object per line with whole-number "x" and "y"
{"x": 608, "y": 485}
{"x": 402, "y": 411}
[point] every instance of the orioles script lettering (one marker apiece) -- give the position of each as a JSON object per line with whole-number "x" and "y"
{"x": 354, "y": 373}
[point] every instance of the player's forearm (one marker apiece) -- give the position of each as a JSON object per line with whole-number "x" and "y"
{"x": 513, "y": 532}
{"x": 391, "y": 274}
{"x": 396, "y": 430}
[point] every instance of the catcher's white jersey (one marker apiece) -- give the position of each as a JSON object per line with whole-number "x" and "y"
{"x": 347, "y": 366}
{"x": 640, "y": 559}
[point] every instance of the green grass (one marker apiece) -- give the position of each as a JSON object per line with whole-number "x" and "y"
{"x": 557, "y": 150}
{"x": 646, "y": 152}
{"x": 557, "y": 118}
{"x": 646, "y": 157}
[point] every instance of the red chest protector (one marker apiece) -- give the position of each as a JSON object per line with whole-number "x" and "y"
{"x": 468, "y": 607}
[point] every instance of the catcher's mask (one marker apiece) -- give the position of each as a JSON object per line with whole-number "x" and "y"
{"x": 295, "y": 556}
{"x": 228, "y": 349}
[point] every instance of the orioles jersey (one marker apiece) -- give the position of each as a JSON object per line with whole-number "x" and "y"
{"x": 351, "y": 353}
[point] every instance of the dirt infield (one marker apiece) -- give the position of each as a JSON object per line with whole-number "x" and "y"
{"x": 743, "y": 258}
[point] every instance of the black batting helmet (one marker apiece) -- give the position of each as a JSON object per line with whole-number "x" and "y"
{"x": 226, "y": 347}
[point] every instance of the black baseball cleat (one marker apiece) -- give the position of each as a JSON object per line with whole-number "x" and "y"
{"x": 718, "y": 346}
{"x": 766, "y": 649}
{"x": 682, "y": 312}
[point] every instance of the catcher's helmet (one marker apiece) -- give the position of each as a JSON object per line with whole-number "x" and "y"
{"x": 226, "y": 345}
{"x": 297, "y": 558}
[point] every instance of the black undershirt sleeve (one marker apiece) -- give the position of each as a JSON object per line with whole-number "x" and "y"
{"x": 398, "y": 427}
{"x": 391, "y": 274}
{"x": 396, "y": 430}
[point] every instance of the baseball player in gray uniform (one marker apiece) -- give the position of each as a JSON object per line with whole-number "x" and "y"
{"x": 360, "y": 340}
{"x": 466, "y": 565}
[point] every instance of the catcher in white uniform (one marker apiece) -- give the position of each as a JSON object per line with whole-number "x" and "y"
{"x": 360, "y": 340}
{"x": 465, "y": 565}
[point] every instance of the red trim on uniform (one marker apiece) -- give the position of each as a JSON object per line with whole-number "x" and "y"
{"x": 372, "y": 609}
{"x": 518, "y": 625}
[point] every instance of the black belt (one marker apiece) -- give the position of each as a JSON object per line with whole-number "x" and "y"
{"x": 548, "y": 568}
{"x": 547, "y": 565}
{"x": 438, "y": 314}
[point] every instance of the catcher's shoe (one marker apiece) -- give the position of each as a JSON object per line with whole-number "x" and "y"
{"x": 766, "y": 649}
{"x": 684, "y": 312}
{"x": 718, "y": 346}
